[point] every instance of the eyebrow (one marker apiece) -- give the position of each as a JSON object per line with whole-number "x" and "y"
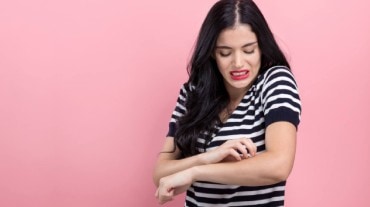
{"x": 226, "y": 47}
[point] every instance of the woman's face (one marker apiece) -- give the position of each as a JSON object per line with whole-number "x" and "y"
{"x": 238, "y": 57}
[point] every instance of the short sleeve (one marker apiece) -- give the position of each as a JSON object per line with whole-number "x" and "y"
{"x": 179, "y": 110}
{"x": 280, "y": 97}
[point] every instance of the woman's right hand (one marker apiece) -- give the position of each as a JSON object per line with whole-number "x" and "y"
{"x": 231, "y": 150}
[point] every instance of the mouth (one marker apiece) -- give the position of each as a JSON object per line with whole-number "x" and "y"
{"x": 239, "y": 74}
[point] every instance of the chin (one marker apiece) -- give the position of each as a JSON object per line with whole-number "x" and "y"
{"x": 241, "y": 85}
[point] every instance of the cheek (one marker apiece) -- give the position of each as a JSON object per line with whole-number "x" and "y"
{"x": 256, "y": 60}
{"x": 222, "y": 65}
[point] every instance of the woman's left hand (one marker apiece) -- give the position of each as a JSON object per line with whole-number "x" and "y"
{"x": 173, "y": 185}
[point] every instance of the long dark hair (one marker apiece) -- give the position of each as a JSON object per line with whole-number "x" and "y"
{"x": 208, "y": 96}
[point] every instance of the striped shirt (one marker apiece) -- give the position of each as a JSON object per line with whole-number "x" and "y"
{"x": 273, "y": 97}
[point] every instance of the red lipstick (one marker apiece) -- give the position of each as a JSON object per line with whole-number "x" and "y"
{"x": 239, "y": 74}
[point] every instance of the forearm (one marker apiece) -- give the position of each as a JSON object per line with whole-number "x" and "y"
{"x": 264, "y": 169}
{"x": 168, "y": 167}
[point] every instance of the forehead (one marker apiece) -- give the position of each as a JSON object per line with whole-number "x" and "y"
{"x": 236, "y": 36}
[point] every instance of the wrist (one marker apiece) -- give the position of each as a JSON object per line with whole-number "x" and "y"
{"x": 195, "y": 172}
{"x": 202, "y": 159}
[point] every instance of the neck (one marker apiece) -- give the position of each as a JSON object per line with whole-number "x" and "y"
{"x": 236, "y": 95}
{"x": 235, "y": 99}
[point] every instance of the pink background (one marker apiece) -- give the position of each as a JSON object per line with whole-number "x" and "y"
{"x": 87, "y": 89}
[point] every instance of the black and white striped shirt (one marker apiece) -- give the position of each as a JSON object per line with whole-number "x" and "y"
{"x": 273, "y": 97}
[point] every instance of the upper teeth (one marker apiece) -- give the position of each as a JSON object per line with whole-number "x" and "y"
{"x": 239, "y": 73}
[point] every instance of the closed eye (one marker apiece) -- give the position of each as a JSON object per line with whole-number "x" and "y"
{"x": 224, "y": 54}
{"x": 249, "y": 52}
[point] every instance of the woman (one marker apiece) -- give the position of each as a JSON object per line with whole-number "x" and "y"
{"x": 232, "y": 136}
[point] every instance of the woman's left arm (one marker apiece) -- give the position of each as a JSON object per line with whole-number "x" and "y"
{"x": 269, "y": 167}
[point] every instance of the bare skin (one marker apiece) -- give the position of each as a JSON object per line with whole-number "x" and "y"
{"x": 236, "y": 51}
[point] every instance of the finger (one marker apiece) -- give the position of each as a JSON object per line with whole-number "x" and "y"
{"x": 162, "y": 192}
{"x": 250, "y": 146}
{"x": 165, "y": 199}
{"x": 167, "y": 196}
{"x": 243, "y": 152}
{"x": 156, "y": 193}
{"x": 254, "y": 147}
{"x": 170, "y": 192}
{"x": 234, "y": 154}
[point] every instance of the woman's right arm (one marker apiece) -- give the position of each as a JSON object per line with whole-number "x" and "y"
{"x": 168, "y": 162}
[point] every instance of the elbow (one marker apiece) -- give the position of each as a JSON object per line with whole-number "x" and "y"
{"x": 282, "y": 175}
{"x": 156, "y": 178}
{"x": 155, "y": 181}
{"x": 276, "y": 177}
{"x": 158, "y": 174}
{"x": 281, "y": 172}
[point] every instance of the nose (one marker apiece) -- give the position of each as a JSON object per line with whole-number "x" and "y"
{"x": 238, "y": 60}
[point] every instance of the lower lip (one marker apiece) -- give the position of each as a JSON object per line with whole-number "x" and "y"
{"x": 240, "y": 77}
